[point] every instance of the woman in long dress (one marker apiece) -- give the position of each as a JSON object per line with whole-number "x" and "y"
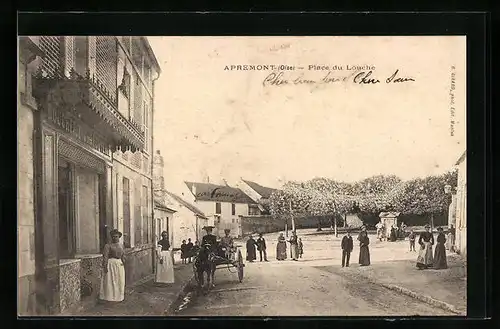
{"x": 251, "y": 253}
{"x": 364, "y": 251}
{"x": 440, "y": 251}
{"x": 281, "y": 248}
{"x": 164, "y": 263}
{"x": 426, "y": 241}
{"x": 294, "y": 246}
{"x": 113, "y": 277}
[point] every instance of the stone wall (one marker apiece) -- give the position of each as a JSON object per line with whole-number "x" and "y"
{"x": 90, "y": 276}
{"x": 138, "y": 264}
{"x": 69, "y": 276}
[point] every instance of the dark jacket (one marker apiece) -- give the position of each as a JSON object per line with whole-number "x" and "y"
{"x": 261, "y": 244}
{"x": 209, "y": 239}
{"x": 347, "y": 243}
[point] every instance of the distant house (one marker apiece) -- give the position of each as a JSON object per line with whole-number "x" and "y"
{"x": 223, "y": 204}
{"x": 461, "y": 206}
{"x": 186, "y": 221}
{"x": 164, "y": 217}
{"x": 259, "y": 194}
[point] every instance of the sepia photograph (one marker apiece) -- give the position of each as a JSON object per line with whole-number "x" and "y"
{"x": 201, "y": 176}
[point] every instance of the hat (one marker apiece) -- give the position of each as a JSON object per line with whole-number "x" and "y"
{"x": 114, "y": 232}
{"x": 439, "y": 228}
{"x": 164, "y": 232}
{"x": 227, "y": 230}
{"x": 208, "y": 228}
{"x": 427, "y": 226}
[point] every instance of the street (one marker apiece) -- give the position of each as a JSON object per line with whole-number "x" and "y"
{"x": 313, "y": 286}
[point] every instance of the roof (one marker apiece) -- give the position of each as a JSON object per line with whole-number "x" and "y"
{"x": 151, "y": 54}
{"x": 160, "y": 205}
{"x": 186, "y": 204}
{"x": 461, "y": 159}
{"x": 218, "y": 193}
{"x": 263, "y": 191}
{"x": 389, "y": 214}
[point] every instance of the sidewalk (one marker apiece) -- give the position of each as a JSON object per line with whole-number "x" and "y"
{"x": 442, "y": 288}
{"x": 147, "y": 299}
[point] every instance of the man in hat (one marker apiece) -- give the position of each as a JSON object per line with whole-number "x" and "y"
{"x": 347, "y": 246}
{"x": 227, "y": 243}
{"x": 209, "y": 238}
{"x": 261, "y": 247}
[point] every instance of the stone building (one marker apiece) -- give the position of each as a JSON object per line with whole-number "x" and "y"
{"x": 85, "y": 116}
{"x": 461, "y": 207}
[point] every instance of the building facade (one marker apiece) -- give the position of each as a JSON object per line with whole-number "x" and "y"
{"x": 164, "y": 221}
{"x": 223, "y": 205}
{"x": 461, "y": 207}
{"x": 85, "y": 134}
{"x": 258, "y": 193}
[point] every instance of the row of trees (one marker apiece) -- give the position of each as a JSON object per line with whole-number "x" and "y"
{"x": 327, "y": 197}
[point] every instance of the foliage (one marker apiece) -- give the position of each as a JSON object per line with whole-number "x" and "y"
{"x": 327, "y": 197}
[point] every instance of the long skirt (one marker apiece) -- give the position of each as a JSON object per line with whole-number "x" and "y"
{"x": 251, "y": 254}
{"x": 294, "y": 251}
{"x": 113, "y": 282}
{"x": 281, "y": 251}
{"x": 364, "y": 256}
{"x": 164, "y": 268}
{"x": 440, "y": 257}
{"x": 450, "y": 242}
{"x": 425, "y": 259}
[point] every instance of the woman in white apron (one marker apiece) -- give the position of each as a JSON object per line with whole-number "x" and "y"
{"x": 164, "y": 263}
{"x": 426, "y": 241}
{"x": 113, "y": 277}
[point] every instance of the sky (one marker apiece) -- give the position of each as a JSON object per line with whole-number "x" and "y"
{"x": 226, "y": 124}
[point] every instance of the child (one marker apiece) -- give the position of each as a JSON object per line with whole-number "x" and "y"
{"x": 412, "y": 237}
{"x": 183, "y": 251}
{"x": 347, "y": 246}
{"x": 301, "y": 248}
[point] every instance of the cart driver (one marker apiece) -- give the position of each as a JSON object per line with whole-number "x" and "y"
{"x": 227, "y": 243}
{"x": 209, "y": 238}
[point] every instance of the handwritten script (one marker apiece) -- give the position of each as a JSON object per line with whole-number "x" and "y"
{"x": 360, "y": 78}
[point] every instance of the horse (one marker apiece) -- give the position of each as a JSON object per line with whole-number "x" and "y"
{"x": 205, "y": 264}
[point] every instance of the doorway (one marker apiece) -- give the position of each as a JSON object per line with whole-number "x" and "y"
{"x": 66, "y": 210}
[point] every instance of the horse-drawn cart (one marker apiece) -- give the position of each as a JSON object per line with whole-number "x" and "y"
{"x": 209, "y": 259}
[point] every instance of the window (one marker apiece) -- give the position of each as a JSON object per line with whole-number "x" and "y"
{"x": 146, "y": 127}
{"x": 145, "y": 217}
{"x": 233, "y": 209}
{"x": 253, "y": 210}
{"x": 126, "y": 213}
{"x": 217, "y": 208}
{"x": 233, "y": 220}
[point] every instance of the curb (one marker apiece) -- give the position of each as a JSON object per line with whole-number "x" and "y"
{"x": 426, "y": 299}
{"x": 180, "y": 295}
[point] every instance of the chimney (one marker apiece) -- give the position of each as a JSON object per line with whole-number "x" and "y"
{"x": 158, "y": 179}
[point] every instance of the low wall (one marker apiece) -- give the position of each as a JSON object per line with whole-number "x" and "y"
{"x": 138, "y": 264}
{"x": 69, "y": 278}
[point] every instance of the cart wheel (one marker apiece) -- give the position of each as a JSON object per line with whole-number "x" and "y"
{"x": 240, "y": 266}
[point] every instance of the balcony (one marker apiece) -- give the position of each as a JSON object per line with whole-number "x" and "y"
{"x": 70, "y": 99}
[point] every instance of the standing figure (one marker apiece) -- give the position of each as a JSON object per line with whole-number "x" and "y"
{"x": 196, "y": 248}
{"x": 364, "y": 251}
{"x": 412, "y": 238}
{"x": 281, "y": 248}
{"x": 164, "y": 264}
{"x": 226, "y": 242}
{"x": 251, "y": 253}
{"x": 261, "y": 246}
{"x": 183, "y": 252}
{"x": 426, "y": 241}
{"x": 113, "y": 278}
{"x": 403, "y": 230}
{"x": 347, "y": 247}
{"x": 440, "y": 251}
{"x": 393, "y": 236}
{"x": 294, "y": 246}
{"x": 379, "y": 227}
{"x": 189, "y": 250}
{"x": 301, "y": 248}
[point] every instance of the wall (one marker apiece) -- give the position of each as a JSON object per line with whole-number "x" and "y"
{"x": 184, "y": 226}
{"x": 70, "y": 284}
{"x": 461, "y": 210}
{"x": 25, "y": 197}
{"x": 166, "y": 218}
{"x": 138, "y": 264}
{"x": 252, "y": 225}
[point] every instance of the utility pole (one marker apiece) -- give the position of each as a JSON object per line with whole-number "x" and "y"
{"x": 335, "y": 226}
{"x": 291, "y": 215}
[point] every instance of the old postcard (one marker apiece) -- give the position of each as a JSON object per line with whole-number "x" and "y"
{"x": 242, "y": 176}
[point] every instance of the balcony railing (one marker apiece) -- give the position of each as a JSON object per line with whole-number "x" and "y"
{"x": 76, "y": 90}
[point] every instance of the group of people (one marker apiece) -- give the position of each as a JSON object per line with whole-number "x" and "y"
{"x": 347, "y": 246}
{"x": 296, "y": 248}
{"x": 425, "y": 258}
{"x": 188, "y": 250}
{"x": 396, "y": 232}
